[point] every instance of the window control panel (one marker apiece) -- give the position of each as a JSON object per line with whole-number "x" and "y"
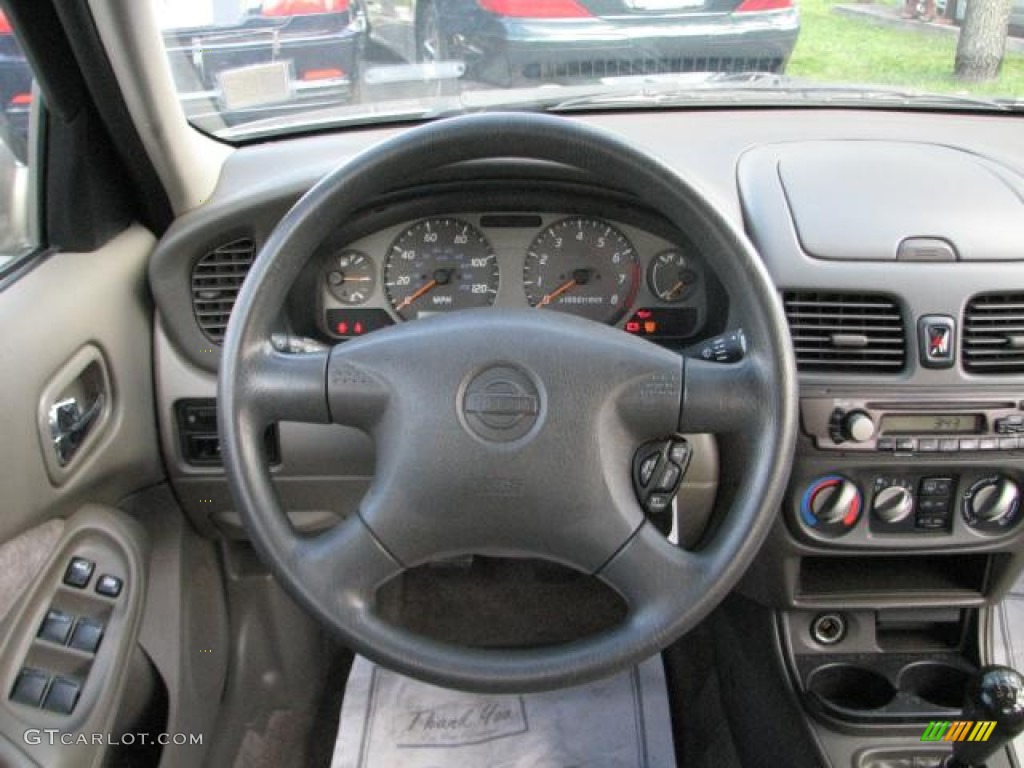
{"x": 70, "y": 634}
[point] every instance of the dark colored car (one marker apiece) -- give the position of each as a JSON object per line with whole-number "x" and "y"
{"x": 528, "y": 42}
{"x": 282, "y": 56}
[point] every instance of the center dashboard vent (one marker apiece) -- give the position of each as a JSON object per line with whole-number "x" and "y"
{"x": 216, "y": 280}
{"x": 994, "y": 333}
{"x": 846, "y": 332}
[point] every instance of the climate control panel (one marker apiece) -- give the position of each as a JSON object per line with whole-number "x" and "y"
{"x": 881, "y": 506}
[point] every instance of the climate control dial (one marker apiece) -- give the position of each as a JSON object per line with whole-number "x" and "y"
{"x": 831, "y": 505}
{"x": 893, "y": 504}
{"x": 992, "y": 503}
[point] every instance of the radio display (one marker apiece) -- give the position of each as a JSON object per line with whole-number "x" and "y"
{"x": 933, "y": 424}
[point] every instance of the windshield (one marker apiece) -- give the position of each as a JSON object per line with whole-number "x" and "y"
{"x": 250, "y": 68}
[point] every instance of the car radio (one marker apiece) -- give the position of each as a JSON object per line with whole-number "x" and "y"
{"x": 909, "y": 427}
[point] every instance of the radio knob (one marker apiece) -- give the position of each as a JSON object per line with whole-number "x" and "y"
{"x": 858, "y": 427}
{"x": 995, "y": 500}
{"x": 893, "y": 504}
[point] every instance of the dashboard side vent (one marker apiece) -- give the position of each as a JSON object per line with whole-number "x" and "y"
{"x": 994, "y": 333}
{"x": 846, "y": 332}
{"x": 216, "y": 280}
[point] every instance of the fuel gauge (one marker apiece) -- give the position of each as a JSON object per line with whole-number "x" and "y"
{"x": 351, "y": 277}
{"x": 671, "y": 277}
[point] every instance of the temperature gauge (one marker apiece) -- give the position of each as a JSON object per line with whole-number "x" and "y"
{"x": 351, "y": 277}
{"x": 670, "y": 276}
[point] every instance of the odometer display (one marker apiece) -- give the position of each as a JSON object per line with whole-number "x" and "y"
{"x": 438, "y": 265}
{"x": 583, "y": 266}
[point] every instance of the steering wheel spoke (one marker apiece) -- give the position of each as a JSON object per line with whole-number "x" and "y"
{"x": 721, "y": 397}
{"x": 358, "y": 395}
{"x": 345, "y": 566}
{"x": 287, "y": 387}
{"x": 649, "y": 571}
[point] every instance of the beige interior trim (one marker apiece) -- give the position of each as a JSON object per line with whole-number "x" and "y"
{"x": 188, "y": 162}
{"x": 22, "y": 559}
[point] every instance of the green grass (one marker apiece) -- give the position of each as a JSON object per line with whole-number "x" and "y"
{"x": 840, "y": 49}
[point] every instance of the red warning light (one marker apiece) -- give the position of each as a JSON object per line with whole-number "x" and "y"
{"x": 343, "y": 328}
{"x": 644, "y": 314}
{"x": 633, "y": 327}
{"x": 359, "y": 329}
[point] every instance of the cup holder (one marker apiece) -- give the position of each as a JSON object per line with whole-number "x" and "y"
{"x": 849, "y": 687}
{"x": 942, "y": 685}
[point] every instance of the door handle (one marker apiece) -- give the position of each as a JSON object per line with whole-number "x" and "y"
{"x": 70, "y": 424}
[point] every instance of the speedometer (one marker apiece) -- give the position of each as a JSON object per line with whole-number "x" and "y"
{"x": 439, "y": 265}
{"x": 583, "y": 266}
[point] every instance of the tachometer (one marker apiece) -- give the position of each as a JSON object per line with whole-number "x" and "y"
{"x": 438, "y": 265}
{"x": 583, "y": 266}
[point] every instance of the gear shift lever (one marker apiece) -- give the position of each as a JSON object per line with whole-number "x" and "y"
{"x": 994, "y": 694}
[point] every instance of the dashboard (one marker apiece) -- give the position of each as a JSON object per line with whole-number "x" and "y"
{"x": 894, "y": 240}
{"x": 832, "y": 205}
{"x": 583, "y": 264}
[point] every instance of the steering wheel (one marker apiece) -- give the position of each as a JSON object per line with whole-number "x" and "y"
{"x": 509, "y": 432}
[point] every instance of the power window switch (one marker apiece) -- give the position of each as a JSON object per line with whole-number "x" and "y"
{"x": 87, "y": 636}
{"x": 79, "y": 572}
{"x": 56, "y": 627}
{"x": 30, "y": 687}
{"x": 108, "y": 586}
{"x": 62, "y": 696}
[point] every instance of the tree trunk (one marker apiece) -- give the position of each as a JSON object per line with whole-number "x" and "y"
{"x": 979, "y": 52}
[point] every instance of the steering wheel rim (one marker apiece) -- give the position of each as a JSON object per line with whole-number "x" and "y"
{"x": 629, "y": 390}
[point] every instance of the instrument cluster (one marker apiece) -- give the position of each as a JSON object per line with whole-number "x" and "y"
{"x": 606, "y": 271}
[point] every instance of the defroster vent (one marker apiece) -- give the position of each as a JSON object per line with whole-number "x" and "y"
{"x": 846, "y": 332}
{"x": 216, "y": 280}
{"x": 994, "y": 333}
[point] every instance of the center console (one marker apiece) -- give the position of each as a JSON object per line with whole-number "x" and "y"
{"x": 903, "y": 522}
{"x": 887, "y": 554}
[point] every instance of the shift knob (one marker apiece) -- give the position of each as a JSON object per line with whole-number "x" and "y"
{"x": 994, "y": 694}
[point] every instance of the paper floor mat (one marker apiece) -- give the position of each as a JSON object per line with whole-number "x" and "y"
{"x": 391, "y": 721}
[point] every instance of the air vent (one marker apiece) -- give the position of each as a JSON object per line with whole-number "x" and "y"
{"x": 216, "y": 279}
{"x": 845, "y": 332}
{"x": 994, "y": 333}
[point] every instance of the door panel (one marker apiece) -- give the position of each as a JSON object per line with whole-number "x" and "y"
{"x": 68, "y": 303}
{"x": 75, "y": 345}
